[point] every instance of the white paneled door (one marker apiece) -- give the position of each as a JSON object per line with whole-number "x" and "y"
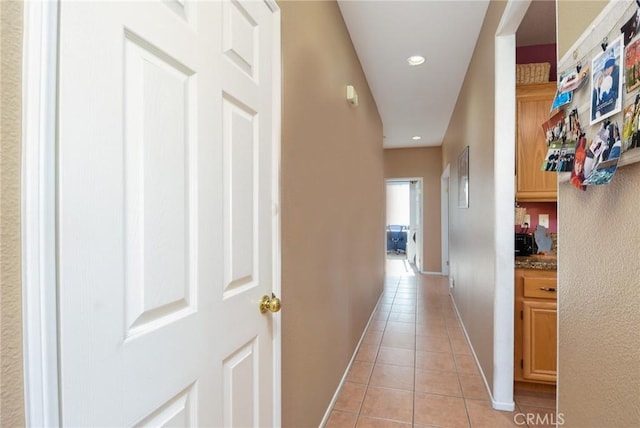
{"x": 167, "y": 213}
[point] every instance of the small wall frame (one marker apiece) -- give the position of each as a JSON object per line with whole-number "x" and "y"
{"x": 463, "y": 178}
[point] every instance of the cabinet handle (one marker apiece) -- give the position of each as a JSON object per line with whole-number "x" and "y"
{"x": 550, "y": 289}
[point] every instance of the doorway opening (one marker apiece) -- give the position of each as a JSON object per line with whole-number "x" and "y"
{"x": 444, "y": 218}
{"x": 511, "y": 27}
{"x": 404, "y": 233}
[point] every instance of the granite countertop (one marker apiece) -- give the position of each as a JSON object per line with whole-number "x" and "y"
{"x": 542, "y": 262}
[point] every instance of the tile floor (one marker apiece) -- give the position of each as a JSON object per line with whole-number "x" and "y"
{"x": 415, "y": 369}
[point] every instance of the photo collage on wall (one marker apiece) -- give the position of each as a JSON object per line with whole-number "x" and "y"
{"x": 561, "y": 142}
{"x": 594, "y": 161}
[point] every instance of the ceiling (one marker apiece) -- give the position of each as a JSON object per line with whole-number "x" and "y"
{"x": 418, "y": 101}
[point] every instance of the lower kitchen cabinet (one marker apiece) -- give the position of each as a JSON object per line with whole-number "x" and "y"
{"x": 535, "y": 334}
{"x": 539, "y": 340}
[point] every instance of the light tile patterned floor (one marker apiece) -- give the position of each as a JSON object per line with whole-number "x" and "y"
{"x": 415, "y": 368}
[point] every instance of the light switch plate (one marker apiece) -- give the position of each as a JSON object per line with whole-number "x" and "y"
{"x": 543, "y": 220}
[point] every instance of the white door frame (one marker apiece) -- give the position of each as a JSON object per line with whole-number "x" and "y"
{"x": 419, "y": 239}
{"x": 277, "y": 217}
{"x": 444, "y": 218}
{"x": 39, "y": 288}
{"x": 504, "y": 190}
{"x": 38, "y": 214}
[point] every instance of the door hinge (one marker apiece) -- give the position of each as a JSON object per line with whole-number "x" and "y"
{"x": 521, "y": 364}
{"x": 521, "y": 315}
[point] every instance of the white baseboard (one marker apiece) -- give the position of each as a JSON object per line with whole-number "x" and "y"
{"x": 498, "y": 405}
{"x": 505, "y": 407}
{"x": 431, "y": 273}
{"x": 327, "y": 414}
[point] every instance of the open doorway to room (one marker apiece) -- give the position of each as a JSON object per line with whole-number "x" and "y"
{"x": 535, "y": 356}
{"x": 404, "y": 221}
{"x": 444, "y": 218}
{"x": 521, "y": 20}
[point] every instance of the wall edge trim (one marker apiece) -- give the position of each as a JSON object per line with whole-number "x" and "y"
{"x": 38, "y": 214}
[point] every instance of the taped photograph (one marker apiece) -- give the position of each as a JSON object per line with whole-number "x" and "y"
{"x": 606, "y": 82}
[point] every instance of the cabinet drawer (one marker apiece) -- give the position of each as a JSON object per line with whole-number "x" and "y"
{"x": 540, "y": 288}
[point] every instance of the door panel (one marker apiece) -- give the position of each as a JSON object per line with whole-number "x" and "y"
{"x": 241, "y": 371}
{"x": 165, "y": 195}
{"x": 159, "y": 97}
{"x": 240, "y": 141}
{"x": 179, "y": 411}
{"x": 539, "y": 340}
{"x": 239, "y": 37}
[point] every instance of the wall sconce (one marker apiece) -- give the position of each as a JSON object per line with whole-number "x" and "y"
{"x": 352, "y": 96}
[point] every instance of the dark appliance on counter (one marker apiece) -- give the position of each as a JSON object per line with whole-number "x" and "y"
{"x": 525, "y": 244}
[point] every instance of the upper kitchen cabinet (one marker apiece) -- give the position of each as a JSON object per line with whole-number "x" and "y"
{"x": 533, "y": 104}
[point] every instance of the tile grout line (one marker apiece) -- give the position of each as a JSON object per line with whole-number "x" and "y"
{"x": 424, "y": 302}
{"x": 420, "y": 292}
{"x": 375, "y": 360}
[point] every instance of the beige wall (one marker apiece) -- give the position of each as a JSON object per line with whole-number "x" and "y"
{"x": 425, "y": 162}
{"x": 599, "y": 288}
{"x": 11, "y": 389}
{"x": 471, "y": 243}
{"x": 332, "y": 208}
{"x": 584, "y": 11}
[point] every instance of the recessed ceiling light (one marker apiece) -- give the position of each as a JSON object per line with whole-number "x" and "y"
{"x": 415, "y": 60}
{"x": 417, "y": 137}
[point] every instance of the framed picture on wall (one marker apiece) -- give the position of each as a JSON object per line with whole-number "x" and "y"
{"x": 463, "y": 178}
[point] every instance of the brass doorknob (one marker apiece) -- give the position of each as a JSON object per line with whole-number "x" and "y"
{"x": 271, "y": 304}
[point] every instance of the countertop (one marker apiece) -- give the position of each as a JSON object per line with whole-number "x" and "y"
{"x": 542, "y": 262}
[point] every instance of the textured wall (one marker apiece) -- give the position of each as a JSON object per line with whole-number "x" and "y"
{"x": 425, "y": 162}
{"x": 11, "y": 382}
{"x": 471, "y": 242}
{"x": 599, "y": 285}
{"x": 333, "y": 207}
{"x": 598, "y": 303}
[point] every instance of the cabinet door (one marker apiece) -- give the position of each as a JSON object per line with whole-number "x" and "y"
{"x": 539, "y": 339}
{"x": 533, "y": 103}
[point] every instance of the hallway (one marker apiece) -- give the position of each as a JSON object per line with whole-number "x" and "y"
{"x": 415, "y": 368}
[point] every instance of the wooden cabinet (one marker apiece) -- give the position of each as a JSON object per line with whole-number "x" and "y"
{"x": 539, "y": 339}
{"x": 535, "y": 334}
{"x": 533, "y": 104}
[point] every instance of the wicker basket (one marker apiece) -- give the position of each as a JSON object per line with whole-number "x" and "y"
{"x": 537, "y": 72}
